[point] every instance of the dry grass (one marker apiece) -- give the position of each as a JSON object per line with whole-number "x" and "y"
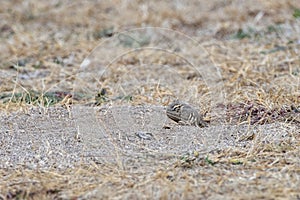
{"x": 272, "y": 173}
{"x": 255, "y": 44}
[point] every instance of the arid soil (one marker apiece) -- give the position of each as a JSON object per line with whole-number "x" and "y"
{"x": 84, "y": 87}
{"x": 51, "y": 140}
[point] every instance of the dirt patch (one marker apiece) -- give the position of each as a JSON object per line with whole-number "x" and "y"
{"x": 142, "y": 154}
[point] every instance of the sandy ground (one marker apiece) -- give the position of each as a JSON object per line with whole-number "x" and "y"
{"x": 141, "y": 141}
{"x": 54, "y": 138}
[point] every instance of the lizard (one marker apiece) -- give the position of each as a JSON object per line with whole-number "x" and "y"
{"x": 185, "y": 114}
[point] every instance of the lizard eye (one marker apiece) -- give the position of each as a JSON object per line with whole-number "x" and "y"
{"x": 176, "y": 107}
